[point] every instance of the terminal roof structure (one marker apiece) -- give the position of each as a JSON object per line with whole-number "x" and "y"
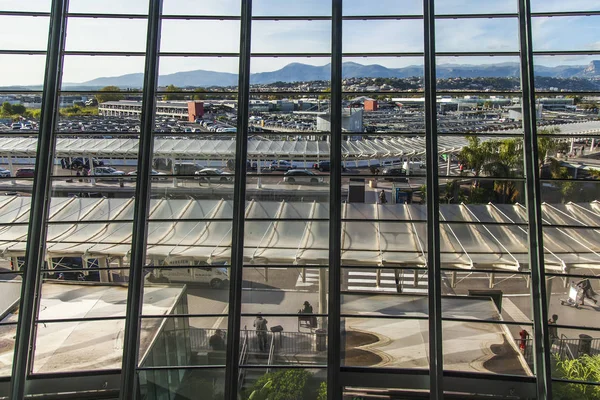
{"x": 218, "y": 149}
{"x": 472, "y": 236}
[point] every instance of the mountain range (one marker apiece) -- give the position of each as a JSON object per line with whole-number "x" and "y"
{"x": 298, "y": 72}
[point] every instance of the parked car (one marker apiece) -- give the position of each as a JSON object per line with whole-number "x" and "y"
{"x": 187, "y": 168}
{"x": 217, "y": 278}
{"x": 299, "y": 176}
{"x": 214, "y": 175}
{"x": 4, "y": 173}
{"x": 25, "y": 173}
{"x": 281, "y": 165}
{"x": 79, "y": 162}
{"x": 154, "y": 172}
{"x": 108, "y": 171}
{"x": 325, "y": 166}
{"x": 394, "y": 174}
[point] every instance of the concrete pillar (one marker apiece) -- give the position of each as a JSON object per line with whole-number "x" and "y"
{"x": 416, "y": 278}
{"x": 448, "y": 158}
{"x": 592, "y": 145}
{"x": 492, "y": 280}
{"x": 572, "y": 146}
{"x": 398, "y": 279}
{"x": 453, "y": 279}
{"x": 378, "y": 277}
{"x": 259, "y": 180}
{"x": 173, "y": 172}
{"x": 266, "y": 274}
{"x": 303, "y": 273}
{"x": 408, "y": 166}
{"x": 10, "y": 168}
{"x": 92, "y": 170}
{"x": 102, "y": 263}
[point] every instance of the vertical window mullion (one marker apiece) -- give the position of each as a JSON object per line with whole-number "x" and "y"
{"x": 143, "y": 188}
{"x": 239, "y": 207}
{"x": 335, "y": 207}
{"x": 40, "y": 199}
{"x": 436, "y": 362}
{"x": 534, "y": 209}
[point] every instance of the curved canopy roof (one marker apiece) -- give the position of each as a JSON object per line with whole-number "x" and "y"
{"x": 213, "y": 149}
{"x": 472, "y": 236}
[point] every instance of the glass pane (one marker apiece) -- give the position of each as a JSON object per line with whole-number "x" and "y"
{"x": 574, "y": 353}
{"x": 282, "y": 37}
{"x": 567, "y": 74}
{"x": 383, "y": 7}
{"x": 302, "y": 7}
{"x": 297, "y": 340}
{"x": 19, "y": 71}
{"x": 79, "y": 346}
{"x": 108, "y": 73}
{"x": 462, "y": 7}
{"x": 291, "y": 75}
{"x": 182, "y": 384}
{"x": 548, "y": 36}
{"x": 385, "y": 342}
{"x": 32, "y": 38}
{"x": 106, "y": 34}
{"x": 33, "y": 5}
{"x": 110, "y": 6}
{"x": 483, "y": 348}
{"x": 184, "y": 341}
{"x": 173, "y": 31}
{"x": 488, "y": 35}
{"x": 196, "y": 74}
{"x": 403, "y": 36}
{"x": 289, "y": 383}
{"x": 191, "y": 7}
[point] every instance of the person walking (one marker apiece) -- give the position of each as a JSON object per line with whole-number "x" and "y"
{"x": 586, "y": 291}
{"x": 216, "y": 341}
{"x": 523, "y": 343}
{"x": 552, "y": 329}
{"x": 261, "y": 332}
{"x": 382, "y": 198}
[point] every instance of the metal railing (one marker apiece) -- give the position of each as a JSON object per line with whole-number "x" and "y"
{"x": 287, "y": 343}
{"x": 243, "y": 357}
{"x": 564, "y": 348}
{"x": 271, "y": 353}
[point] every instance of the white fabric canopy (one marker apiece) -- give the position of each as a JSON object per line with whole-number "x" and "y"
{"x": 472, "y": 236}
{"x": 209, "y": 149}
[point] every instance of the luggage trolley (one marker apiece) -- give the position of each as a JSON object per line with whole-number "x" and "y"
{"x": 575, "y": 296}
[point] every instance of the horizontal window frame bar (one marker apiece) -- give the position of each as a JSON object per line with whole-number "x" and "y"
{"x": 84, "y": 269}
{"x": 578, "y": 276}
{"x": 22, "y": 52}
{"x": 103, "y": 53}
{"x": 577, "y": 327}
{"x": 284, "y": 366}
{"x": 4, "y": 13}
{"x": 564, "y": 14}
{"x": 282, "y": 315}
{"x": 74, "y": 320}
{"x": 167, "y": 54}
{"x": 174, "y": 316}
{"x": 373, "y": 316}
{"x": 485, "y": 271}
{"x": 107, "y": 15}
{"x": 285, "y": 266}
{"x": 486, "y": 321}
{"x": 569, "y": 381}
{"x": 176, "y": 367}
{"x": 566, "y": 53}
{"x": 187, "y": 17}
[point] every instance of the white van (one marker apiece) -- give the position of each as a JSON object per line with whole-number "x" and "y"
{"x": 216, "y": 277}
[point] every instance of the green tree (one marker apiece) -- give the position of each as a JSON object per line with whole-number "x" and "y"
{"x": 171, "y": 95}
{"x": 199, "y": 94}
{"x": 6, "y": 108}
{"x": 18, "y": 109}
{"x": 547, "y": 145}
{"x": 506, "y": 162}
{"x": 104, "y": 97}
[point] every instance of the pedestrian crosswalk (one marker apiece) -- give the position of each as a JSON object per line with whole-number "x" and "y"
{"x": 365, "y": 280}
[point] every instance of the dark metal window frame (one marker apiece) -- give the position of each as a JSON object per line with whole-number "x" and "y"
{"x": 436, "y": 379}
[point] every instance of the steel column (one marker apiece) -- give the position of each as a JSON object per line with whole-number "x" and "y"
{"x": 436, "y": 367}
{"x": 334, "y": 391}
{"x": 239, "y": 207}
{"x": 137, "y": 260}
{"x": 533, "y": 199}
{"x": 40, "y": 201}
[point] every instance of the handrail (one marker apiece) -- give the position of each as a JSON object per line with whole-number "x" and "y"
{"x": 271, "y": 353}
{"x": 243, "y": 355}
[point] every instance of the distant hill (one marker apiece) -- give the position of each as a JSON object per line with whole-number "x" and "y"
{"x": 298, "y": 72}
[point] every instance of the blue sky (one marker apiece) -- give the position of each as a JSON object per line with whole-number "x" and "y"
{"x": 558, "y": 33}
